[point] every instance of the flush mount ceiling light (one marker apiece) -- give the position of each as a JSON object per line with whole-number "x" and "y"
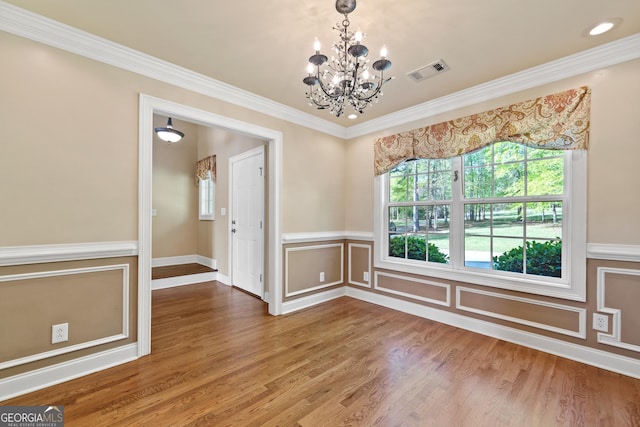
{"x": 602, "y": 26}
{"x": 345, "y": 79}
{"x": 168, "y": 133}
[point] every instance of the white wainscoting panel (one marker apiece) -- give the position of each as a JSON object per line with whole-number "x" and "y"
{"x": 582, "y": 312}
{"x": 357, "y": 282}
{"x": 615, "y": 338}
{"x": 309, "y": 248}
{"x": 68, "y": 349}
{"x": 446, "y": 286}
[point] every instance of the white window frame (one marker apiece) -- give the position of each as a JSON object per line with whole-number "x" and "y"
{"x": 572, "y": 286}
{"x": 206, "y": 193}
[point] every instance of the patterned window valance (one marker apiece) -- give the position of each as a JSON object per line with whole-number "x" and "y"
{"x": 559, "y": 121}
{"x": 206, "y": 168}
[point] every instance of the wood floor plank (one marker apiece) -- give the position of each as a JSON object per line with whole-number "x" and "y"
{"x": 219, "y": 359}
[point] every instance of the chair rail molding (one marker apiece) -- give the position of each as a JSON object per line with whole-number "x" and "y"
{"x": 613, "y": 252}
{"x": 20, "y": 255}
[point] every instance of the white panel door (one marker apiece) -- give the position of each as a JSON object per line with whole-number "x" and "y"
{"x": 247, "y": 220}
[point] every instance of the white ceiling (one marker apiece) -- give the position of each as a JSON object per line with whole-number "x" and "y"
{"x": 263, "y": 46}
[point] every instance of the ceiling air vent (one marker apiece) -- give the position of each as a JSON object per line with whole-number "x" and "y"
{"x": 427, "y": 71}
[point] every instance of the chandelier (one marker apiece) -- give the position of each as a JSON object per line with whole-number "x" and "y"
{"x": 346, "y": 78}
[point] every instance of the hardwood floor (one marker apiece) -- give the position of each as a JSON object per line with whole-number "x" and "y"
{"x": 218, "y": 359}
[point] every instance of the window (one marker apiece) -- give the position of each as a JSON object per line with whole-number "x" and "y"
{"x": 206, "y": 199}
{"x": 507, "y": 215}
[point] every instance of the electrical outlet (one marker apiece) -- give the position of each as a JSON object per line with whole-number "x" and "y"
{"x": 600, "y": 322}
{"x": 365, "y": 276}
{"x": 322, "y": 276}
{"x": 59, "y": 333}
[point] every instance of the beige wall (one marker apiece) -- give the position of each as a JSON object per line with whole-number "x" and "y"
{"x": 72, "y": 158}
{"x": 69, "y": 167}
{"x": 613, "y": 205}
{"x": 175, "y": 195}
{"x": 314, "y": 181}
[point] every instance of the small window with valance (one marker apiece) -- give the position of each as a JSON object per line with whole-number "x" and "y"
{"x": 205, "y": 178}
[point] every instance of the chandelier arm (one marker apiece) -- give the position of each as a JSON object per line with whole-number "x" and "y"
{"x": 313, "y": 96}
{"x": 318, "y": 104}
{"x": 324, "y": 90}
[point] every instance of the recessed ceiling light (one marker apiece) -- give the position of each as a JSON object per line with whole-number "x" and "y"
{"x": 602, "y": 26}
{"x": 352, "y": 116}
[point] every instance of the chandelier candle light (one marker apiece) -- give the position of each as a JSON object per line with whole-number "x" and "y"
{"x": 346, "y": 78}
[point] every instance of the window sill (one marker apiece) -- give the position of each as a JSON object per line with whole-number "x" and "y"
{"x": 556, "y": 288}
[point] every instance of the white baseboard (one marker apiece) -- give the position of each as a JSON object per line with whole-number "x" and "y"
{"x": 41, "y": 378}
{"x": 601, "y": 359}
{"x": 174, "y": 260}
{"x": 190, "y": 279}
{"x": 171, "y": 282}
{"x": 225, "y": 280}
{"x": 184, "y": 259}
{"x": 207, "y": 262}
{"x": 311, "y": 300}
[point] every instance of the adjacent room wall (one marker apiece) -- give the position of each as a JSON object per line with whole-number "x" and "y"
{"x": 175, "y": 226}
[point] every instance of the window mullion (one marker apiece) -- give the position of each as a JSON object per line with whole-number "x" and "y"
{"x": 456, "y": 253}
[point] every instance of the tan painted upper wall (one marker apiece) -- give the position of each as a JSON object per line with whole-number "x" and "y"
{"x": 314, "y": 182}
{"x": 66, "y": 180}
{"x": 175, "y": 196}
{"x": 613, "y": 174}
{"x": 70, "y": 168}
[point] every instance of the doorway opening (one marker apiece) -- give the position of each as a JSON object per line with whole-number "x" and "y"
{"x": 148, "y": 107}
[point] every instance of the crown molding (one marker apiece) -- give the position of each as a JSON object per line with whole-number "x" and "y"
{"x": 606, "y": 55}
{"x": 38, "y": 28}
